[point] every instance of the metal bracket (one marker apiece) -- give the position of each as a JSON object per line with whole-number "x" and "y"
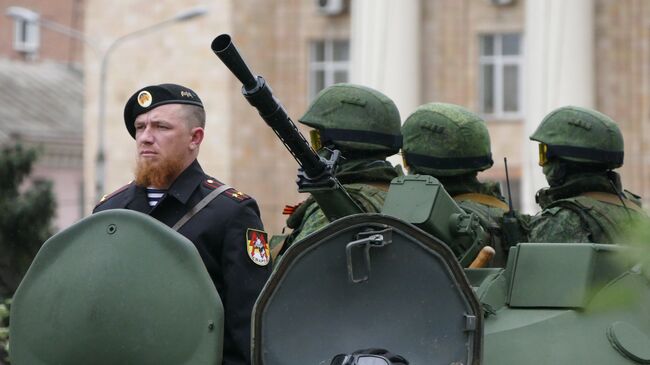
{"x": 470, "y": 322}
{"x": 358, "y": 253}
{"x": 324, "y": 181}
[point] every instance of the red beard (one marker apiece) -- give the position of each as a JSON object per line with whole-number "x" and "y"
{"x": 158, "y": 174}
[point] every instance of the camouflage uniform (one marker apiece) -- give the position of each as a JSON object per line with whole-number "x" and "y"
{"x": 585, "y": 201}
{"x": 367, "y": 183}
{"x": 452, "y": 144}
{"x": 364, "y": 125}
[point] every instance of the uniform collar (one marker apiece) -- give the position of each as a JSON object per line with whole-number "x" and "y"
{"x": 185, "y": 184}
{"x": 366, "y": 170}
{"x": 580, "y": 183}
{"x": 469, "y": 183}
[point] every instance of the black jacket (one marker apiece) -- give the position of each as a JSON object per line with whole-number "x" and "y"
{"x": 220, "y": 233}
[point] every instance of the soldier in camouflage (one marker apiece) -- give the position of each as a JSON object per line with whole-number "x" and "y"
{"x": 452, "y": 144}
{"x": 364, "y": 125}
{"x": 585, "y": 202}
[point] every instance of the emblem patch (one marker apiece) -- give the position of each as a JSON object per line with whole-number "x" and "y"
{"x": 257, "y": 247}
{"x": 144, "y": 98}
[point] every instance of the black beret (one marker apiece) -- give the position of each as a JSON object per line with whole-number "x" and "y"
{"x": 153, "y": 96}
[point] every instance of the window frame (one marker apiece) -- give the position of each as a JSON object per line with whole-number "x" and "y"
{"x": 26, "y": 35}
{"x": 327, "y": 65}
{"x": 499, "y": 61}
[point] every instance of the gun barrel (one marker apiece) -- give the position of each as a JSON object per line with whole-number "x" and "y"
{"x": 227, "y": 52}
{"x": 260, "y": 96}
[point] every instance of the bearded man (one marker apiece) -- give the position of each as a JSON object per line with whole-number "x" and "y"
{"x": 167, "y": 122}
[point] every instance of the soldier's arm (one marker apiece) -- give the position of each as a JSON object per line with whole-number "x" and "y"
{"x": 314, "y": 220}
{"x": 243, "y": 281}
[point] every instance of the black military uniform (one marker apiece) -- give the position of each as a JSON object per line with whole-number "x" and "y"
{"x": 227, "y": 232}
{"x": 220, "y": 232}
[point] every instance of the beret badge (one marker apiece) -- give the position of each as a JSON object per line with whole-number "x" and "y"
{"x": 144, "y": 98}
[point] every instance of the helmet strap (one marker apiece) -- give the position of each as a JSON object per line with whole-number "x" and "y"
{"x": 447, "y": 163}
{"x": 346, "y": 135}
{"x": 610, "y": 158}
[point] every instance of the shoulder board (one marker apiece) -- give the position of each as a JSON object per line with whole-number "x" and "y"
{"x": 108, "y": 196}
{"x": 232, "y": 193}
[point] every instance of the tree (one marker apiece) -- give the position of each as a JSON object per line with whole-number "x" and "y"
{"x": 26, "y": 212}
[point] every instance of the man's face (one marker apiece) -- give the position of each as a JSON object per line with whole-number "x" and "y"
{"x": 166, "y": 145}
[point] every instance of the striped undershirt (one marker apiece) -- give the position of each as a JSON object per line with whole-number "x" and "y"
{"x": 154, "y": 196}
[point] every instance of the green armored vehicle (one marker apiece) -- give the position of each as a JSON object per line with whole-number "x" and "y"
{"x": 122, "y": 288}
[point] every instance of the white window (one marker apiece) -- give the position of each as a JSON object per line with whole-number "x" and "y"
{"x": 26, "y": 35}
{"x": 500, "y": 79}
{"x": 329, "y": 64}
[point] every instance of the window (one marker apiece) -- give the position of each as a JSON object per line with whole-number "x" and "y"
{"x": 500, "y": 75}
{"x": 329, "y": 64}
{"x": 26, "y": 35}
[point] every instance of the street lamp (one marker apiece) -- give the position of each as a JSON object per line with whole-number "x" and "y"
{"x": 33, "y": 17}
{"x": 101, "y": 145}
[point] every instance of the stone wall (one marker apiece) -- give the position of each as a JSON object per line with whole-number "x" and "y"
{"x": 623, "y": 82}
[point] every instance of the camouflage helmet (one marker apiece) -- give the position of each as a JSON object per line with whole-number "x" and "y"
{"x": 581, "y": 135}
{"x": 445, "y": 140}
{"x": 357, "y": 118}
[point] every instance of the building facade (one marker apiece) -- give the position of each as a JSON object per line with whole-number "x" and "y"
{"x": 469, "y": 52}
{"x": 41, "y": 94}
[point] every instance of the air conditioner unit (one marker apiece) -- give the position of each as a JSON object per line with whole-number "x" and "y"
{"x": 330, "y": 7}
{"x": 502, "y": 2}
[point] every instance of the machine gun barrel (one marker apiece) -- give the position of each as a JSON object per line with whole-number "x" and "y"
{"x": 317, "y": 174}
{"x": 260, "y": 96}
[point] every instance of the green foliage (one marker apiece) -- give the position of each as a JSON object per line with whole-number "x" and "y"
{"x": 27, "y": 210}
{"x": 638, "y": 237}
{"x": 4, "y": 331}
{"x": 25, "y": 223}
{"x": 636, "y": 260}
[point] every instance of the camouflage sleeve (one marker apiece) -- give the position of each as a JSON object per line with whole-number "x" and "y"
{"x": 314, "y": 220}
{"x": 368, "y": 197}
{"x": 557, "y": 225}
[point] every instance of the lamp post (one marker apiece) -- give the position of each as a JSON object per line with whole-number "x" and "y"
{"x": 31, "y": 16}
{"x": 100, "y": 156}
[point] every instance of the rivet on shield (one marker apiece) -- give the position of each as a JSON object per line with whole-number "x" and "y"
{"x": 111, "y": 229}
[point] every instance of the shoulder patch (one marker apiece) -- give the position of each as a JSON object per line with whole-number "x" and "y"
{"x": 108, "y": 196}
{"x": 257, "y": 247}
{"x": 232, "y": 193}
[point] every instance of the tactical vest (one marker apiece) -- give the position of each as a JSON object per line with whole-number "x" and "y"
{"x": 371, "y": 196}
{"x": 606, "y": 216}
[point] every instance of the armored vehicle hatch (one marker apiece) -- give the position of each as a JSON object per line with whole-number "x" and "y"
{"x": 118, "y": 287}
{"x": 368, "y": 281}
